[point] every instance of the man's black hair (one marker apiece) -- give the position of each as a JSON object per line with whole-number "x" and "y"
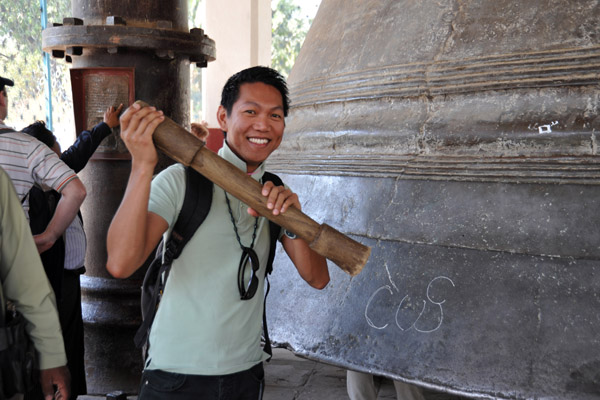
{"x": 266, "y": 75}
{"x": 39, "y": 131}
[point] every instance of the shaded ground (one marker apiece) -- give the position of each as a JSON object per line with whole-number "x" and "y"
{"x": 293, "y": 378}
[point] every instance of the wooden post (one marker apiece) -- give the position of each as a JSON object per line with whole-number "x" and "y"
{"x": 183, "y": 147}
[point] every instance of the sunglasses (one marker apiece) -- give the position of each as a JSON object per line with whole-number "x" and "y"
{"x": 249, "y": 257}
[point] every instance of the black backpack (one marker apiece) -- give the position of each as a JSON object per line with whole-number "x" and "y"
{"x": 195, "y": 208}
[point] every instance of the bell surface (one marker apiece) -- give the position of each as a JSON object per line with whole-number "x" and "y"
{"x": 458, "y": 139}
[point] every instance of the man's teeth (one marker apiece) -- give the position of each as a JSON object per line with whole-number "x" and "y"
{"x": 258, "y": 140}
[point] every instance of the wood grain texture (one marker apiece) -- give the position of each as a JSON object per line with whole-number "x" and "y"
{"x": 179, "y": 144}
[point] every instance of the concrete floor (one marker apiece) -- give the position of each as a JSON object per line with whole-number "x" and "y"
{"x": 289, "y": 377}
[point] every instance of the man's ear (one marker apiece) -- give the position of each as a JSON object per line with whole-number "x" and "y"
{"x": 2, "y": 99}
{"x": 222, "y": 118}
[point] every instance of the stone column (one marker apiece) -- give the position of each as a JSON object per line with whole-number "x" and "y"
{"x": 243, "y": 31}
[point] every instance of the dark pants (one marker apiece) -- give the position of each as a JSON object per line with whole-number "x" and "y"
{"x": 161, "y": 385}
{"x": 71, "y": 322}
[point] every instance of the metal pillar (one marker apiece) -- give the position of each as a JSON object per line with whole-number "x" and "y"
{"x": 152, "y": 38}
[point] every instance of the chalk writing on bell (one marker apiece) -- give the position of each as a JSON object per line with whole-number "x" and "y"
{"x": 402, "y": 310}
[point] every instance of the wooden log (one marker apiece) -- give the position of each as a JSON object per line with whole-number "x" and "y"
{"x": 179, "y": 144}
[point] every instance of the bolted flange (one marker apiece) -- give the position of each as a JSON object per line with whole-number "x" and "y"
{"x": 73, "y": 36}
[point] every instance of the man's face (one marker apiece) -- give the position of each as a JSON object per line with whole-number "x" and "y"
{"x": 256, "y": 123}
{"x": 3, "y": 104}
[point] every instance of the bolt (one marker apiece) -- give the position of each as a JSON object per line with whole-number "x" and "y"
{"x": 163, "y": 24}
{"x": 72, "y": 21}
{"x": 75, "y": 51}
{"x": 162, "y": 53}
{"x": 115, "y": 20}
{"x": 199, "y": 60}
{"x": 197, "y": 33}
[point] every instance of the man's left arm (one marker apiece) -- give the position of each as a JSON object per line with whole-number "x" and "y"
{"x": 72, "y": 196}
{"x": 50, "y": 172}
{"x": 311, "y": 266}
{"x": 77, "y": 156}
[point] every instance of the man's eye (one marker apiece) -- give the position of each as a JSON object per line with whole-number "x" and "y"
{"x": 276, "y": 116}
{"x": 252, "y": 112}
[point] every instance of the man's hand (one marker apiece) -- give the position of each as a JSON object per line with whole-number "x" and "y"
{"x": 58, "y": 377}
{"x": 111, "y": 116}
{"x": 44, "y": 241}
{"x": 279, "y": 199}
{"x": 137, "y": 127}
{"x": 311, "y": 266}
{"x": 71, "y": 198}
{"x": 200, "y": 130}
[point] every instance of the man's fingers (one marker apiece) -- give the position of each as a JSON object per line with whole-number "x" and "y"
{"x": 126, "y": 116}
{"x": 289, "y": 202}
{"x": 58, "y": 376}
{"x": 47, "y": 389}
{"x": 153, "y": 123}
{"x": 279, "y": 198}
{"x": 143, "y": 122}
{"x": 267, "y": 188}
{"x": 284, "y": 200}
{"x": 62, "y": 392}
{"x": 139, "y": 116}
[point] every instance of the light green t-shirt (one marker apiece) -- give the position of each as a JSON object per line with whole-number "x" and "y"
{"x": 202, "y": 326}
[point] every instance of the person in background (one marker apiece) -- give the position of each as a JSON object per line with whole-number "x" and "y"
{"x": 64, "y": 261}
{"x": 200, "y": 130}
{"x": 25, "y": 284}
{"x": 29, "y": 162}
{"x": 361, "y": 386}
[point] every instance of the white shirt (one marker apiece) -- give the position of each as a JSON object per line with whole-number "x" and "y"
{"x": 28, "y": 162}
{"x": 75, "y": 245}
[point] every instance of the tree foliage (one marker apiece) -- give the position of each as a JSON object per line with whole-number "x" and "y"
{"x": 195, "y": 21}
{"x": 21, "y": 57}
{"x": 289, "y": 29}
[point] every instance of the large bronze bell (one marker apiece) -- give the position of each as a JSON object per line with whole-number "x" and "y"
{"x": 459, "y": 139}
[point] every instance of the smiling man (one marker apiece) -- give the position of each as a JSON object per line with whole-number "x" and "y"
{"x": 205, "y": 339}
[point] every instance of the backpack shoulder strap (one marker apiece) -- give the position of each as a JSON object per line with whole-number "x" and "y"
{"x": 195, "y": 208}
{"x": 274, "y": 230}
{"x": 6, "y": 130}
{"x": 273, "y": 227}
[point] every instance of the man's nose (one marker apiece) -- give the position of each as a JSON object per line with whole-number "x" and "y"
{"x": 261, "y": 123}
